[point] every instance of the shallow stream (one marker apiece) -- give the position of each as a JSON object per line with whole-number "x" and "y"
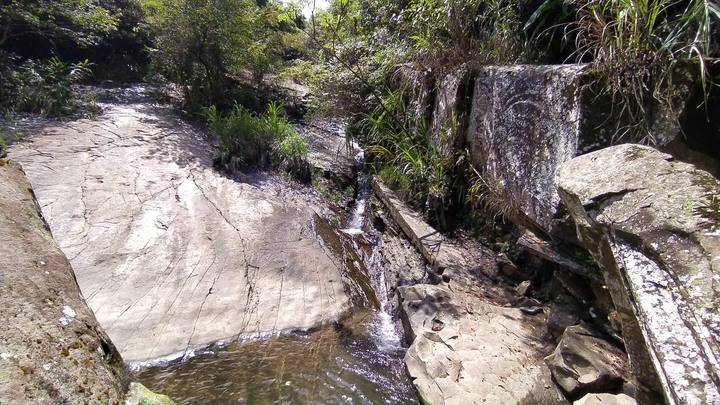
{"x": 358, "y": 360}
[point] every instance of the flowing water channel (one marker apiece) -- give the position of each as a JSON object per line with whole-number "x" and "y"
{"x": 358, "y": 360}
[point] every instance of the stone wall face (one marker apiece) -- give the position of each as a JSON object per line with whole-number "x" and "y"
{"x": 649, "y": 222}
{"x": 521, "y": 122}
{"x": 52, "y": 350}
{"x": 524, "y": 122}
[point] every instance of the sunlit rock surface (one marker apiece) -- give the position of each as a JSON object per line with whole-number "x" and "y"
{"x": 653, "y": 224}
{"x": 169, "y": 253}
{"x": 526, "y": 121}
{"x": 52, "y": 349}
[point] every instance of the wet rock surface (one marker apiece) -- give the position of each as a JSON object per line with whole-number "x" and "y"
{"x": 651, "y": 224}
{"x": 52, "y": 349}
{"x": 169, "y": 254}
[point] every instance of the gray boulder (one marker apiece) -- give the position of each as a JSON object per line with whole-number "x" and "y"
{"x": 586, "y": 362}
{"x": 653, "y": 225}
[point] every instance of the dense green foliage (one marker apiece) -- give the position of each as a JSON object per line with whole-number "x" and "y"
{"x": 81, "y": 21}
{"x": 35, "y": 78}
{"x": 203, "y": 44}
{"x": 248, "y": 139}
{"x": 43, "y": 87}
{"x": 634, "y": 47}
{"x": 354, "y": 56}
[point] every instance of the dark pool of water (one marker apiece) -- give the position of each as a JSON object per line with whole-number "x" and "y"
{"x": 353, "y": 362}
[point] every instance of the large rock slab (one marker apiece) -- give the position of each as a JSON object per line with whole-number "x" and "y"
{"x": 653, "y": 225}
{"x": 468, "y": 350}
{"x": 605, "y": 399}
{"x": 169, "y": 254}
{"x": 525, "y": 121}
{"x": 52, "y": 349}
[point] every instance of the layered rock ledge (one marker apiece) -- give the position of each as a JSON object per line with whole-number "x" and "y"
{"x": 653, "y": 225}
{"x": 469, "y": 344}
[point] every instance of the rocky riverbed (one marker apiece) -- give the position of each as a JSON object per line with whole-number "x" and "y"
{"x": 193, "y": 271}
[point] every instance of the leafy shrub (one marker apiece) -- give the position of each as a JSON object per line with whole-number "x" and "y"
{"x": 250, "y": 140}
{"x": 290, "y": 154}
{"x": 405, "y": 155}
{"x": 44, "y": 87}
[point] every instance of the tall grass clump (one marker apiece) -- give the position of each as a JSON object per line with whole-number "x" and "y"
{"x": 247, "y": 139}
{"x": 407, "y": 158}
{"x": 638, "y": 48}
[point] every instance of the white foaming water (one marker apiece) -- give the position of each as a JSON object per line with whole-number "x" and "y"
{"x": 386, "y": 336}
{"x": 357, "y": 219}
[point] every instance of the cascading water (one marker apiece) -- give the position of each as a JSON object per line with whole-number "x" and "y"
{"x": 357, "y": 217}
{"x": 358, "y": 360}
{"x": 387, "y": 337}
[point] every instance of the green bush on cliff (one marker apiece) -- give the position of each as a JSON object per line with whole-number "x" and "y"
{"x": 635, "y": 47}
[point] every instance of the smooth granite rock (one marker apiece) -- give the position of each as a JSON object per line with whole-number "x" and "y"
{"x": 653, "y": 225}
{"x": 524, "y": 122}
{"x": 169, "y": 253}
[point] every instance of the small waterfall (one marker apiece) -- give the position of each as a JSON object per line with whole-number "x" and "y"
{"x": 358, "y": 360}
{"x": 357, "y": 218}
{"x": 387, "y": 337}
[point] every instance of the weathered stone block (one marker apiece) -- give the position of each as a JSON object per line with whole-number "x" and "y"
{"x": 586, "y": 362}
{"x": 652, "y": 225}
{"x": 525, "y": 121}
